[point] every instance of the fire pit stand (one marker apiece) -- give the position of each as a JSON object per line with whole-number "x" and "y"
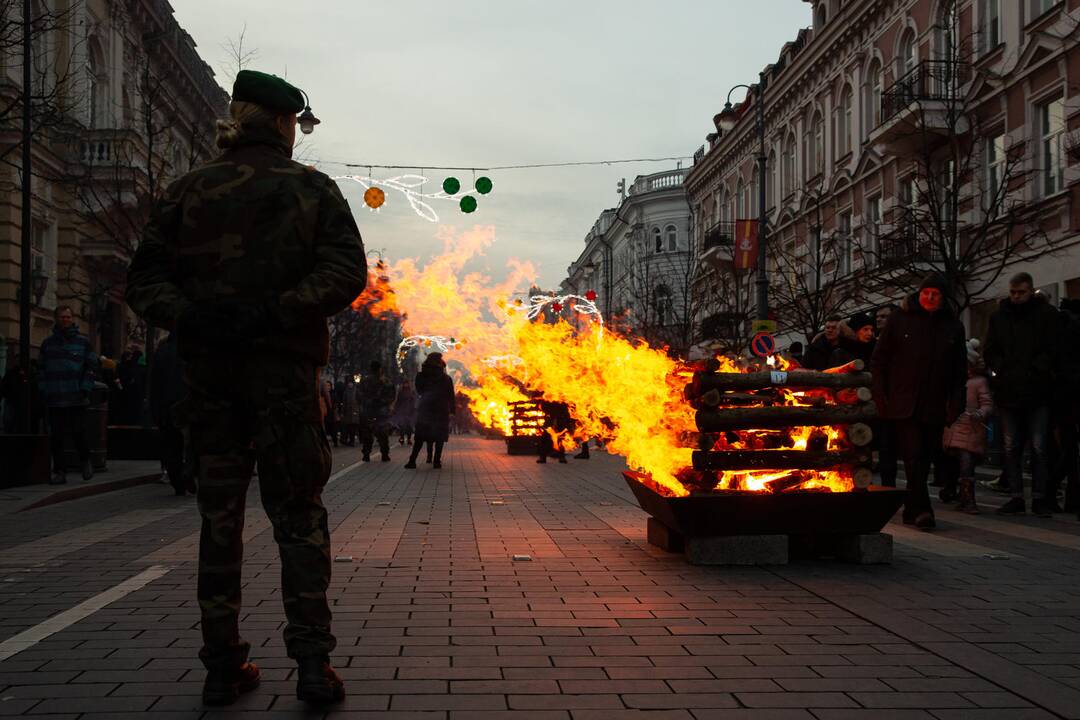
{"x": 526, "y": 424}
{"x": 781, "y": 470}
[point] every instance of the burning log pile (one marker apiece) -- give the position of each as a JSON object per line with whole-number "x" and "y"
{"x": 780, "y": 431}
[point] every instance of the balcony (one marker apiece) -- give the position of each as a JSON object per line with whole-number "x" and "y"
{"x": 717, "y": 243}
{"x": 667, "y": 180}
{"x": 909, "y": 247}
{"x": 923, "y": 104}
{"x": 110, "y": 148}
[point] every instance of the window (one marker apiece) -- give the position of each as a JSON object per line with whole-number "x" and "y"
{"x": 788, "y": 171}
{"x": 1052, "y": 129}
{"x": 663, "y": 305}
{"x": 908, "y": 57}
{"x": 672, "y": 238}
{"x": 43, "y": 258}
{"x": 995, "y": 171}
{"x": 817, "y": 146}
{"x": 907, "y": 191}
{"x": 843, "y": 238}
{"x": 872, "y": 223}
{"x": 947, "y": 191}
{"x": 773, "y": 184}
{"x": 843, "y": 123}
{"x": 658, "y": 240}
{"x": 991, "y": 24}
{"x": 1038, "y": 7}
{"x": 948, "y": 32}
{"x": 740, "y": 200}
{"x": 873, "y": 96}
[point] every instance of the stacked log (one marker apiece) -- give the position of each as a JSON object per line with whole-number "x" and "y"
{"x": 746, "y": 423}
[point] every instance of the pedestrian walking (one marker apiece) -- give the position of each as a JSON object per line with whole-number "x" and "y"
{"x": 167, "y": 390}
{"x": 1066, "y": 410}
{"x": 329, "y": 410}
{"x": 1021, "y": 353}
{"x": 965, "y": 439}
{"x": 435, "y": 405}
{"x": 246, "y": 257}
{"x": 919, "y": 373}
{"x": 350, "y": 412}
{"x": 376, "y": 400}
{"x": 885, "y": 430}
{"x": 68, "y": 364}
{"x": 404, "y": 415}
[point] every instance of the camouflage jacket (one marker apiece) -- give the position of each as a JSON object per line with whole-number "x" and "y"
{"x": 252, "y": 226}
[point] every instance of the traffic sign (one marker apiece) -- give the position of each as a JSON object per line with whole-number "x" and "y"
{"x": 763, "y": 326}
{"x": 763, "y": 344}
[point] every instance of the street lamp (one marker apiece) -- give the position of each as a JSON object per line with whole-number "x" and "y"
{"x": 307, "y": 119}
{"x": 725, "y": 121}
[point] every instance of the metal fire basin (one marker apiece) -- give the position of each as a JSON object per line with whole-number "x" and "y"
{"x": 748, "y": 513}
{"x": 522, "y": 445}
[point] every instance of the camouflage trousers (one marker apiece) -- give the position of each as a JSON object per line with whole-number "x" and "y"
{"x": 242, "y": 410}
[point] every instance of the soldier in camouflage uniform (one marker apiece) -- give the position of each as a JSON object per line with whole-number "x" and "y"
{"x": 245, "y": 257}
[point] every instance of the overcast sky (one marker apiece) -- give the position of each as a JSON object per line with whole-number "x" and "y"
{"x": 478, "y": 83}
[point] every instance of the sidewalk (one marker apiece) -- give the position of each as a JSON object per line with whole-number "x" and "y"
{"x": 498, "y": 588}
{"x": 120, "y": 474}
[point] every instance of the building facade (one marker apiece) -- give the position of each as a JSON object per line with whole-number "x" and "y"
{"x": 638, "y": 259}
{"x": 122, "y": 104}
{"x": 902, "y": 137}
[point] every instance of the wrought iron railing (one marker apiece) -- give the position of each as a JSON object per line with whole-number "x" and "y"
{"x": 929, "y": 80}
{"x": 721, "y": 234}
{"x": 907, "y": 244}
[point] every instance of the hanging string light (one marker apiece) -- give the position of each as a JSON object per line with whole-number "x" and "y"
{"x": 411, "y": 187}
{"x": 430, "y": 343}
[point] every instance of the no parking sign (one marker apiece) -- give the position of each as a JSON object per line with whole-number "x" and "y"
{"x": 763, "y": 344}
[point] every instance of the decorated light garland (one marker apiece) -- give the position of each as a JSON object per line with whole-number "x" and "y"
{"x": 497, "y": 360}
{"x": 438, "y": 343}
{"x": 411, "y": 187}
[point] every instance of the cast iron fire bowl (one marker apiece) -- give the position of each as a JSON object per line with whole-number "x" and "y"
{"x": 747, "y": 513}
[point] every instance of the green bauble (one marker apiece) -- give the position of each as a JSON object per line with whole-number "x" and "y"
{"x": 483, "y": 185}
{"x": 451, "y": 185}
{"x": 468, "y": 204}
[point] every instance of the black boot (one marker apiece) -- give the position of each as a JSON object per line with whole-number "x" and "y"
{"x": 316, "y": 681}
{"x": 223, "y": 687}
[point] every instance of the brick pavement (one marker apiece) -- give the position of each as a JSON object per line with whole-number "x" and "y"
{"x": 435, "y": 618}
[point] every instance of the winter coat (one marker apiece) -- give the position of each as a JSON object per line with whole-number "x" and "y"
{"x": 436, "y": 404}
{"x": 1022, "y": 353}
{"x": 822, "y": 355}
{"x": 404, "y": 415}
{"x": 67, "y": 368}
{"x": 920, "y": 366}
{"x": 1069, "y": 359}
{"x": 167, "y": 386}
{"x": 376, "y": 395}
{"x": 969, "y": 430}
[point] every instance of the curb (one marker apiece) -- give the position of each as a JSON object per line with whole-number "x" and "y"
{"x": 76, "y": 493}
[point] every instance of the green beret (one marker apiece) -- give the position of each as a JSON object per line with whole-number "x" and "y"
{"x": 270, "y": 91}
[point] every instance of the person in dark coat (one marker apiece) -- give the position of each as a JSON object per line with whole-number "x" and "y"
{"x": 436, "y": 403}
{"x": 376, "y": 397}
{"x": 1066, "y": 410}
{"x": 885, "y": 430}
{"x": 68, "y": 367}
{"x": 919, "y": 375}
{"x": 1022, "y": 355}
{"x": 830, "y": 348}
{"x": 404, "y": 416}
{"x": 167, "y": 388}
{"x": 861, "y": 346}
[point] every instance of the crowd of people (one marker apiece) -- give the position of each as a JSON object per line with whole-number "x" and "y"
{"x": 939, "y": 395}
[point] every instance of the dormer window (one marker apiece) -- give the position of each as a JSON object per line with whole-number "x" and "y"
{"x": 821, "y": 15}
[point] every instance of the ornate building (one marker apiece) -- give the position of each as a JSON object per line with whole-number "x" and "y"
{"x": 902, "y": 136}
{"x": 637, "y": 259}
{"x": 122, "y": 104}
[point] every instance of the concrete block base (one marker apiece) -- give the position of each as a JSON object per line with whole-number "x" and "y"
{"x": 870, "y": 549}
{"x": 663, "y": 537}
{"x": 738, "y": 550}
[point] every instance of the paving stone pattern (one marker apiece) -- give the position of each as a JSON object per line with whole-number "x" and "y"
{"x": 435, "y": 619}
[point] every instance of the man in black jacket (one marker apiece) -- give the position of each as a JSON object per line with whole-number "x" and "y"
{"x": 919, "y": 372}
{"x": 1021, "y": 353}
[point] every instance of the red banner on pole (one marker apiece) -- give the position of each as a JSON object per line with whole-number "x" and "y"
{"x": 746, "y": 244}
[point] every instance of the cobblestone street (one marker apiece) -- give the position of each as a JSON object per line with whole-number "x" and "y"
{"x": 497, "y": 587}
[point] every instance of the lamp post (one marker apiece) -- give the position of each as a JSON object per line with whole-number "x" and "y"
{"x": 25, "y": 277}
{"x": 725, "y": 120}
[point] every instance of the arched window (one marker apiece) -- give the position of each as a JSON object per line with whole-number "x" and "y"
{"x": 873, "y": 95}
{"x": 909, "y": 54}
{"x": 672, "y": 238}
{"x": 948, "y": 32}
{"x": 740, "y": 200}
{"x": 822, "y": 16}
{"x": 817, "y": 145}
{"x": 842, "y": 124}
{"x": 773, "y": 184}
{"x": 788, "y": 170}
{"x": 658, "y": 240}
{"x": 97, "y": 89}
{"x": 725, "y": 215}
